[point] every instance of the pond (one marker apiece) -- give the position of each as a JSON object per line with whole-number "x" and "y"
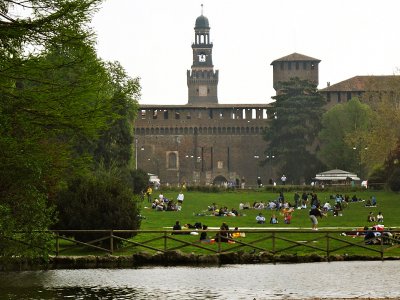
{"x": 335, "y": 280}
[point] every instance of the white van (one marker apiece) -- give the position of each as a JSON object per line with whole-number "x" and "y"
{"x": 154, "y": 180}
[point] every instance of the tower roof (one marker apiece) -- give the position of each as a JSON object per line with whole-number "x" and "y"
{"x": 202, "y": 22}
{"x": 296, "y": 57}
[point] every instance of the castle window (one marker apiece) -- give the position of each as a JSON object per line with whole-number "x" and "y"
{"x": 221, "y": 115}
{"x": 328, "y": 96}
{"x": 312, "y": 66}
{"x": 143, "y": 114}
{"x": 210, "y": 114}
{"x": 348, "y": 96}
{"x": 177, "y": 115}
{"x": 297, "y": 65}
{"x": 165, "y": 114}
{"x": 220, "y": 164}
{"x": 304, "y": 65}
{"x": 289, "y": 65}
{"x": 188, "y": 116}
{"x": 339, "y": 99}
{"x": 172, "y": 160}
{"x": 155, "y": 114}
{"x": 281, "y": 64}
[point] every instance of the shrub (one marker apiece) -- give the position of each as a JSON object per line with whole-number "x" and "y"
{"x": 140, "y": 180}
{"x": 394, "y": 180}
{"x": 103, "y": 201}
{"x": 377, "y": 179}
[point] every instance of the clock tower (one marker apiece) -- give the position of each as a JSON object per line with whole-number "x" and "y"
{"x": 202, "y": 80}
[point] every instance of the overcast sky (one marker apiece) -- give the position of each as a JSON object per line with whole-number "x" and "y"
{"x": 152, "y": 40}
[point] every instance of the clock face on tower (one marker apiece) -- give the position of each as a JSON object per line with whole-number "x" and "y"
{"x": 202, "y": 90}
{"x": 202, "y": 58}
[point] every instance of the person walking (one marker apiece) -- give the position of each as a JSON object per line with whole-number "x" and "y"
{"x": 314, "y": 214}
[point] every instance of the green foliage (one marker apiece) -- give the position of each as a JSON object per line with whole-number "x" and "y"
{"x": 377, "y": 179}
{"x": 140, "y": 180}
{"x": 292, "y": 133}
{"x": 343, "y": 136}
{"x": 102, "y": 201}
{"x": 116, "y": 142}
{"x": 394, "y": 180}
{"x": 56, "y": 99}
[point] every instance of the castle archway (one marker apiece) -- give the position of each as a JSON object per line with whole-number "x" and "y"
{"x": 219, "y": 180}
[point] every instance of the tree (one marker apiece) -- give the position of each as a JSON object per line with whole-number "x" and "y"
{"x": 344, "y": 136}
{"x": 116, "y": 143}
{"x": 53, "y": 93}
{"x": 292, "y": 132}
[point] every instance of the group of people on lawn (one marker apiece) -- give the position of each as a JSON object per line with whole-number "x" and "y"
{"x": 224, "y": 235}
{"x": 163, "y": 203}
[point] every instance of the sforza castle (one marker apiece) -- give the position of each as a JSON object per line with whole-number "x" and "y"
{"x": 204, "y": 142}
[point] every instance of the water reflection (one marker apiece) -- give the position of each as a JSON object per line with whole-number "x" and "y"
{"x": 292, "y": 281}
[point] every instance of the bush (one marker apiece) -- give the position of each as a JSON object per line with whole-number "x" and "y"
{"x": 140, "y": 180}
{"x": 377, "y": 179}
{"x": 394, "y": 180}
{"x": 103, "y": 201}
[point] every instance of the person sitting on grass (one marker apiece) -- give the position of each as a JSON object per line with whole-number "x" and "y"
{"x": 223, "y": 235}
{"x": 287, "y": 217}
{"x": 379, "y": 217}
{"x": 371, "y": 217}
{"x": 204, "y": 238}
{"x": 273, "y": 220}
{"x": 177, "y": 227}
{"x": 260, "y": 219}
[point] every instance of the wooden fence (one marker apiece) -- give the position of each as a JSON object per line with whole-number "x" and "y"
{"x": 325, "y": 242}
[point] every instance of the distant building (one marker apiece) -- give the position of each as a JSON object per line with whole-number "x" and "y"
{"x": 359, "y": 86}
{"x": 203, "y": 142}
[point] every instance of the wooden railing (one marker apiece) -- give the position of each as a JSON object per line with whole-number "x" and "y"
{"x": 326, "y": 242}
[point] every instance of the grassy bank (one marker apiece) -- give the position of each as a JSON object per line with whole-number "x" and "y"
{"x": 195, "y": 210}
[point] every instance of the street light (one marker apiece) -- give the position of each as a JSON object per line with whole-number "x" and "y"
{"x": 136, "y": 154}
{"x": 258, "y": 179}
{"x": 360, "y": 152}
{"x": 270, "y": 158}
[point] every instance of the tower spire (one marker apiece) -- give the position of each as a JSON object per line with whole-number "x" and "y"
{"x": 201, "y": 9}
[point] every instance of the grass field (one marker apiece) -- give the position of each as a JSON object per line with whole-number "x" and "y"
{"x": 194, "y": 210}
{"x": 355, "y": 215}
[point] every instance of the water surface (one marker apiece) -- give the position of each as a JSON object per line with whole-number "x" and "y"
{"x": 335, "y": 280}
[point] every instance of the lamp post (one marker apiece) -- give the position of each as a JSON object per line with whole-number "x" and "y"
{"x": 258, "y": 179}
{"x": 359, "y": 153}
{"x": 136, "y": 153}
{"x": 270, "y": 158}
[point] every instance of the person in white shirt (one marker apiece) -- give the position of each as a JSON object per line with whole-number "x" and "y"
{"x": 180, "y": 198}
{"x": 260, "y": 219}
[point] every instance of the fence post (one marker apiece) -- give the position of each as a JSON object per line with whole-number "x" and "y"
{"x": 273, "y": 242}
{"x": 111, "y": 242}
{"x": 57, "y": 244}
{"x": 382, "y": 250}
{"x": 165, "y": 241}
{"x": 219, "y": 242}
{"x": 328, "y": 253}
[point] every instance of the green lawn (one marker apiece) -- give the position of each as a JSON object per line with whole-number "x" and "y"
{"x": 355, "y": 215}
{"x": 194, "y": 209}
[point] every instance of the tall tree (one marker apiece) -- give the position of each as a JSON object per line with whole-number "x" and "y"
{"x": 53, "y": 92}
{"x": 344, "y": 136}
{"x": 116, "y": 143}
{"x": 292, "y": 133}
